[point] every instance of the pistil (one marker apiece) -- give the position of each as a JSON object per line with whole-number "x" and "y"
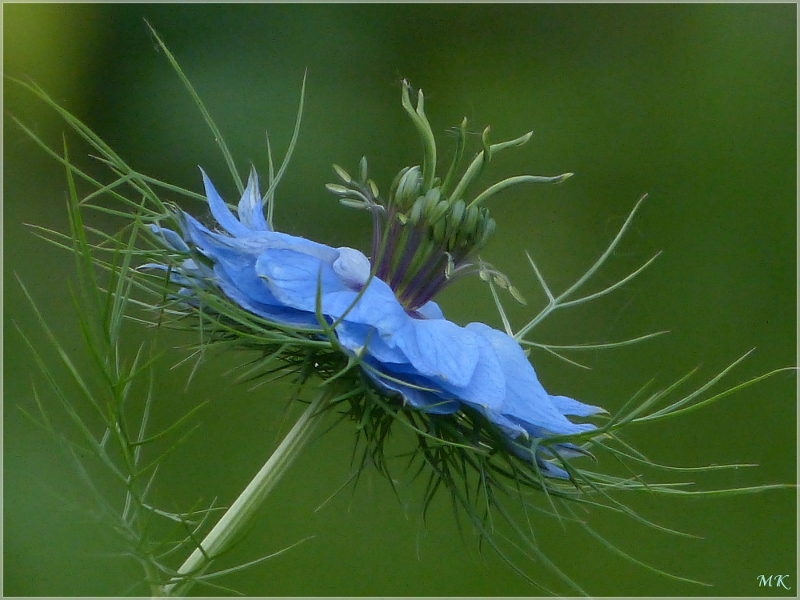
{"x": 424, "y": 235}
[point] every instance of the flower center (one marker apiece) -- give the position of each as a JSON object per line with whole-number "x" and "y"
{"x": 427, "y": 240}
{"x": 426, "y": 234}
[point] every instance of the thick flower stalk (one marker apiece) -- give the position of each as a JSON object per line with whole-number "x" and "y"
{"x": 379, "y": 309}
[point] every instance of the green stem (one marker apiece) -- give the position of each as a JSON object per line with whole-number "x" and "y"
{"x": 248, "y": 502}
{"x": 152, "y": 574}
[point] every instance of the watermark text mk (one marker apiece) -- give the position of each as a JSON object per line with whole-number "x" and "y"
{"x": 766, "y": 581}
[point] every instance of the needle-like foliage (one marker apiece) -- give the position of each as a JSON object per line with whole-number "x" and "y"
{"x": 502, "y": 469}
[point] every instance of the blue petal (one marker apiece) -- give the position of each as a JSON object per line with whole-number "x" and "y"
{"x": 188, "y": 273}
{"x": 254, "y": 243}
{"x": 240, "y": 271}
{"x": 526, "y": 402}
{"x": 487, "y": 387}
{"x": 431, "y": 310}
{"x": 251, "y": 209}
{"x": 276, "y": 313}
{"x": 192, "y": 268}
{"x": 564, "y": 449}
{"x": 169, "y": 238}
{"x": 352, "y": 268}
{"x": 568, "y": 406}
{"x": 221, "y": 212}
{"x": 377, "y": 306}
{"x": 417, "y": 396}
{"x": 510, "y": 428}
{"x": 439, "y": 349}
{"x": 436, "y": 348}
{"x": 296, "y": 278}
{"x": 548, "y": 469}
{"x": 173, "y": 276}
{"x": 209, "y": 242}
{"x": 358, "y": 338}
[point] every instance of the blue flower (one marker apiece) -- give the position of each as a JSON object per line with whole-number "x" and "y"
{"x": 406, "y": 348}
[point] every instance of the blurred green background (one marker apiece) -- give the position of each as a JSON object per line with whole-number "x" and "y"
{"x": 695, "y": 105}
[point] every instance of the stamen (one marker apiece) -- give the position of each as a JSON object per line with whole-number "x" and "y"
{"x": 424, "y": 236}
